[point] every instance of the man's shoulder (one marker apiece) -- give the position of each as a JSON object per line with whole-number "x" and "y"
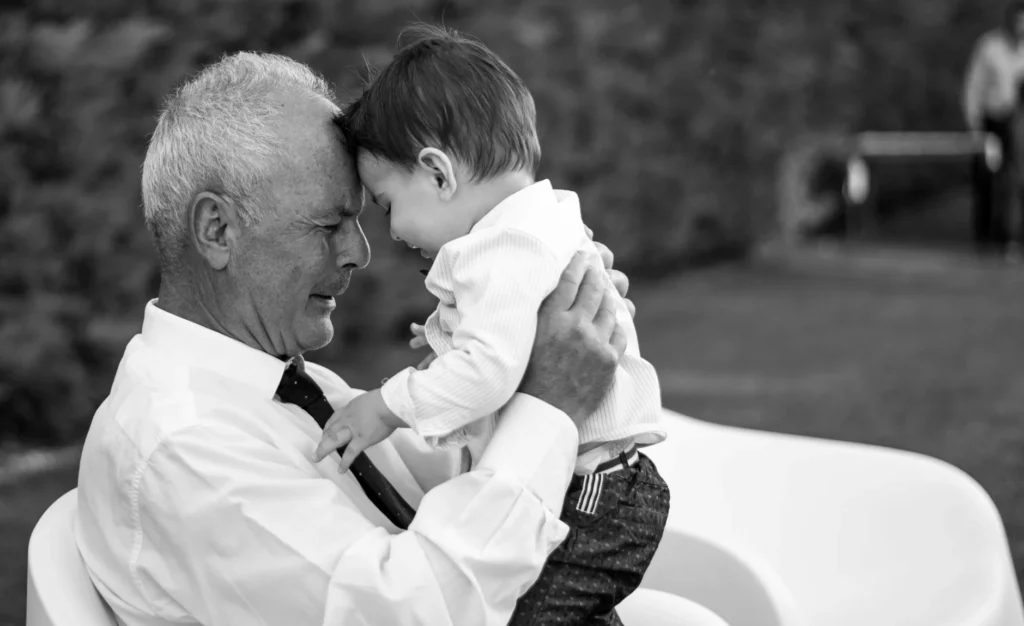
{"x": 154, "y": 399}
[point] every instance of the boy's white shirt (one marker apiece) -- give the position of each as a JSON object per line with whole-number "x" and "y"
{"x": 490, "y": 284}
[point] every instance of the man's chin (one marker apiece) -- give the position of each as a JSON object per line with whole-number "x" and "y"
{"x": 316, "y": 334}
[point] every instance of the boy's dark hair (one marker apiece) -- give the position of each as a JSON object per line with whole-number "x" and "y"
{"x": 448, "y": 91}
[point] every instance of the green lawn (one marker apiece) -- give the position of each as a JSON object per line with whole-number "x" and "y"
{"x": 930, "y": 360}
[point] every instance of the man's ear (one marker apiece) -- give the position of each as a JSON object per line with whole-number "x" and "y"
{"x": 214, "y": 227}
{"x": 439, "y": 166}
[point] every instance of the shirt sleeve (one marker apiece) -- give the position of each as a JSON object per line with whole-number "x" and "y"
{"x": 499, "y": 277}
{"x": 253, "y": 539}
{"x": 976, "y": 83}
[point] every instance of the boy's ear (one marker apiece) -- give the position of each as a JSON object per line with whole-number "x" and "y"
{"x": 440, "y": 168}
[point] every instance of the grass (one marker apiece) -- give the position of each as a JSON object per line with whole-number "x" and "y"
{"x": 904, "y": 353}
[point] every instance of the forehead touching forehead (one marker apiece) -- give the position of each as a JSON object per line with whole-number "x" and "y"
{"x": 316, "y": 175}
{"x": 376, "y": 173}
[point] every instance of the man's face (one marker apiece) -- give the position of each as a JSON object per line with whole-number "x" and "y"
{"x": 287, "y": 270}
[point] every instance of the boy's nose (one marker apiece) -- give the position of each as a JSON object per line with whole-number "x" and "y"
{"x": 395, "y": 236}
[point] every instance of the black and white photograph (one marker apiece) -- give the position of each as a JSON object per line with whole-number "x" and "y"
{"x": 511, "y": 312}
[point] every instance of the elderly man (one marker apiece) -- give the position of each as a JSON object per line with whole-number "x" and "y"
{"x": 198, "y": 498}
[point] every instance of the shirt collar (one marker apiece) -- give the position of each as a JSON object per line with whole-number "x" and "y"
{"x": 201, "y": 348}
{"x": 539, "y": 193}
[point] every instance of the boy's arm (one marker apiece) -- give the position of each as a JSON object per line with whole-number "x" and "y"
{"x": 500, "y": 277}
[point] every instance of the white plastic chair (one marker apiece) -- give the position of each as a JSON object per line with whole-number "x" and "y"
{"x": 60, "y": 592}
{"x": 778, "y": 530}
{"x": 649, "y": 607}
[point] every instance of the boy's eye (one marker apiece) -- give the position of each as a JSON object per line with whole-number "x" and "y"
{"x": 387, "y": 209}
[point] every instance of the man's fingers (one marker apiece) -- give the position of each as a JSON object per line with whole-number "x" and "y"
{"x": 618, "y": 341}
{"x": 590, "y": 232}
{"x": 607, "y": 258}
{"x": 604, "y": 323}
{"x": 334, "y": 437}
{"x": 568, "y": 284}
{"x": 620, "y": 281}
{"x": 589, "y": 295}
{"x": 349, "y": 454}
{"x": 630, "y": 307}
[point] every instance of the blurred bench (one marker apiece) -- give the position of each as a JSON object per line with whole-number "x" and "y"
{"x": 875, "y": 147}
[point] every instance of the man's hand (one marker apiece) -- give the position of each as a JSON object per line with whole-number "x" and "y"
{"x": 364, "y": 421}
{"x": 578, "y": 343}
{"x": 619, "y": 280}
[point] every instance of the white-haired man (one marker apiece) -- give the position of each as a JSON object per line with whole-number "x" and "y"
{"x": 198, "y": 498}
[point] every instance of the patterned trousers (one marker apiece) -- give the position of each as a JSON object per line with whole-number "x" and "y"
{"x": 616, "y": 521}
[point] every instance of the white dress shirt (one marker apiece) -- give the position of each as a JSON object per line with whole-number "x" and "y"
{"x": 490, "y": 284}
{"x": 198, "y": 501}
{"x": 992, "y": 85}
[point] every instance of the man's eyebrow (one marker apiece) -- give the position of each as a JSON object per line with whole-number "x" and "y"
{"x": 341, "y": 210}
{"x": 349, "y": 209}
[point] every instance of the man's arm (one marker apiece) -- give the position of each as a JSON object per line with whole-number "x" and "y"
{"x": 246, "y": 537}
{"x": 252, "y": 539}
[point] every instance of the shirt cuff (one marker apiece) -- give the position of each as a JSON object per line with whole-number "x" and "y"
{"x": 535, "y": 443}
{"x": 395, "y": 393}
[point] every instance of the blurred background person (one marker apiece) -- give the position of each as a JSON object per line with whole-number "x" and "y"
{"x": 991, "y": 101}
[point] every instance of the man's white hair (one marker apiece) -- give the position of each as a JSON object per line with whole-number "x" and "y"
{"x": 215, "y": 134}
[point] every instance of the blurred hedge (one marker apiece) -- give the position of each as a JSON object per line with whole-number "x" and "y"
{"x": 667, "y": 117}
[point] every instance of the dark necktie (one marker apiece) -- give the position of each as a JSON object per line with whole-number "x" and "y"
{"x": 299, "y": 389}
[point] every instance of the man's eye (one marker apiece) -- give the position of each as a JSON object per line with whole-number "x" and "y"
{"x": 331, "y": 227}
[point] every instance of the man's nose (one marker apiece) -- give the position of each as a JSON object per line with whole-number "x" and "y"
{"x": 353, "y": 249}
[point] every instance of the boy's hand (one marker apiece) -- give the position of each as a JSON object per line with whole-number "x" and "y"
{"x": 419, "y": 336}
{"x": 419, "y": 340}
{"x": 364, "y": 421}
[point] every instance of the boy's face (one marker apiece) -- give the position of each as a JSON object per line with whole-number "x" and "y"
{"x": 419, "y": 217}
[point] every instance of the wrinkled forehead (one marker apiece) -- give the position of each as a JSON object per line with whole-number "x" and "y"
{"x": 315, "y": 174}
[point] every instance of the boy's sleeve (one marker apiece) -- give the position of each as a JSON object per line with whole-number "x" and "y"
{"x": 499, "y": 277}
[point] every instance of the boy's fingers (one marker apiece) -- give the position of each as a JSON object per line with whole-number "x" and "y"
{"x": 348, "y": 455}
{"x": 417, "y": 342}
{"x": 333, "y": 438}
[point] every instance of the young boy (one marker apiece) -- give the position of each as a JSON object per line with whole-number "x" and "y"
{"x": 445, "y": 141}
